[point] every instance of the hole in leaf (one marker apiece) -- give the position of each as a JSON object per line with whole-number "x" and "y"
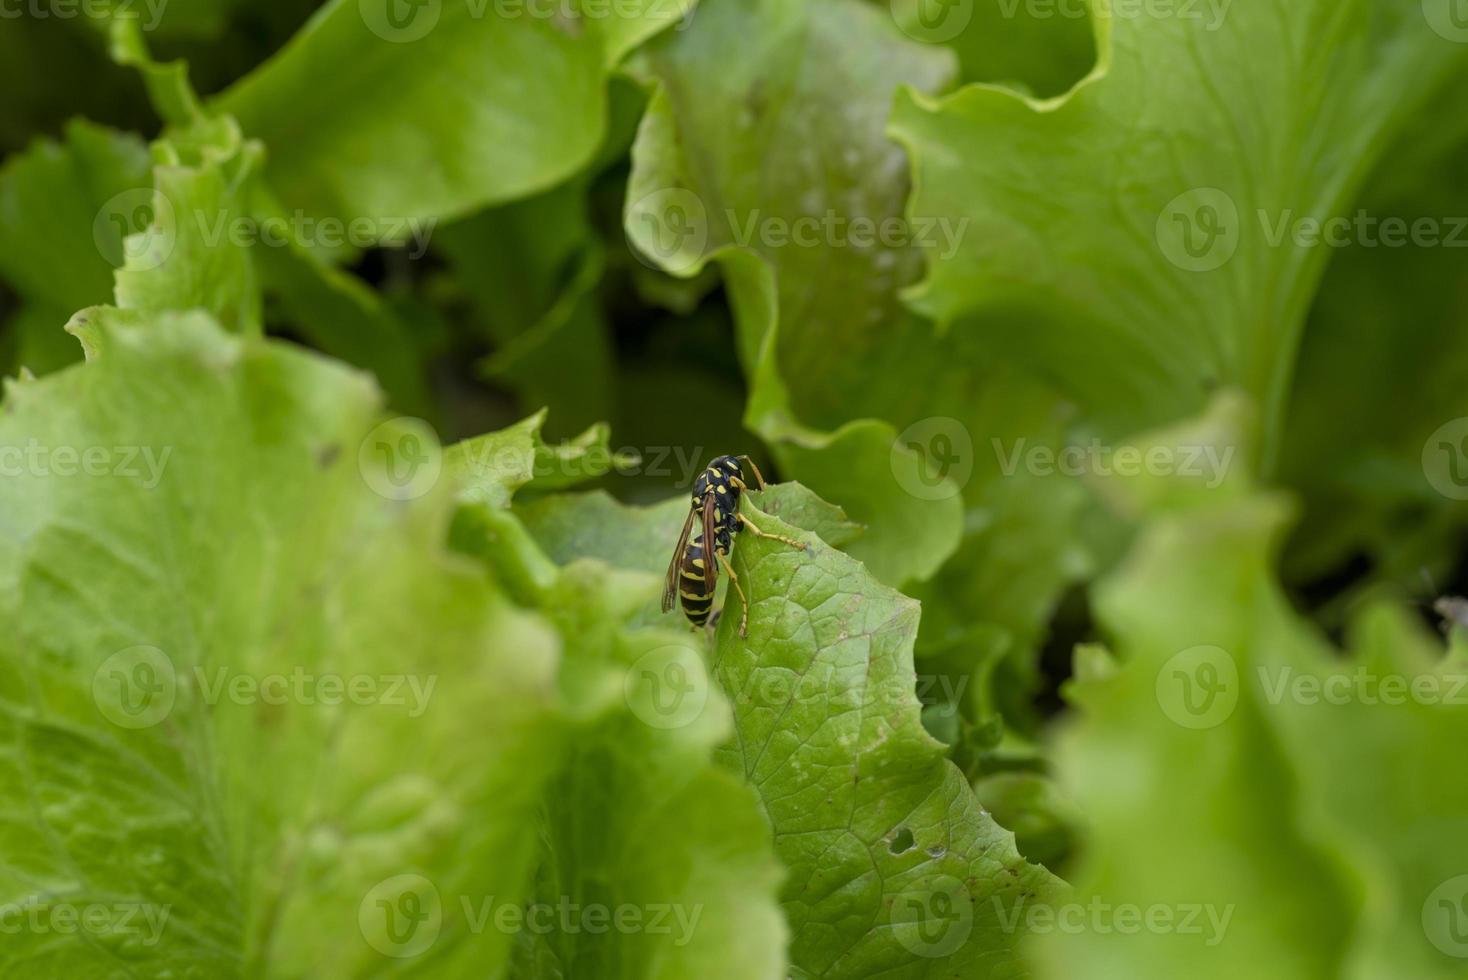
{"x": 901, "y": 841}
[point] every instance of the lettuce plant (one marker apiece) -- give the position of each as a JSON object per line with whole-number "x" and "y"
{"x": 1107, "y": 360}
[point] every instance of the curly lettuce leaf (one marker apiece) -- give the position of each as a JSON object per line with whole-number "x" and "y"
{"x": 190, "y": 255}
{"x": 65, "y": 208}
{"x": 1137, "y": 217}
{"x": 894, "y": 867}
{"x": 379, "y": 110}
{"x": 160, "y": 767}
{"x": 723, "y": 155}
{"x": 649, "y": 821}
{"x": 1258, "y": 800}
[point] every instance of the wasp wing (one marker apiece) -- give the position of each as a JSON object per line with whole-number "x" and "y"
{"x": 670, "y": 584}
{"x": 710, "y": 543}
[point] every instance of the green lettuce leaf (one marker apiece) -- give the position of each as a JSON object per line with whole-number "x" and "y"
{"x": 1256, "y": 800}
{"x": 374, "y": 110}
{"x": 65, "y": 208}
{"x": 1110, "y": 221}
{"x": 720, "y": 161}
{"x": 162, "y": 768}
{"x": 648, "y": 822}
{"x": 894, "y": 868}
{"x": 189, "y": 255}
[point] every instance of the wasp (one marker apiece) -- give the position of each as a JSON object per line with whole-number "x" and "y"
{"x": 713, "y": 519}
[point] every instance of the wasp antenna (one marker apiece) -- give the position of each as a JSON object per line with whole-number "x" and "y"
{"x": 758, "y": 477}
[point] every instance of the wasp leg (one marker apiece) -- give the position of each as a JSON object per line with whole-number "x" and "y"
{"x": 766, "y": 534}
{"x": 743, "y": 601}
{"x": 758, "y": 476}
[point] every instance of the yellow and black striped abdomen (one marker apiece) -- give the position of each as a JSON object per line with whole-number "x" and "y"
{"x": 695, "y": 595}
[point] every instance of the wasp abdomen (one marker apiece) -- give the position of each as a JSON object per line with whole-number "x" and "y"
{"x": 695, "y": 595}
